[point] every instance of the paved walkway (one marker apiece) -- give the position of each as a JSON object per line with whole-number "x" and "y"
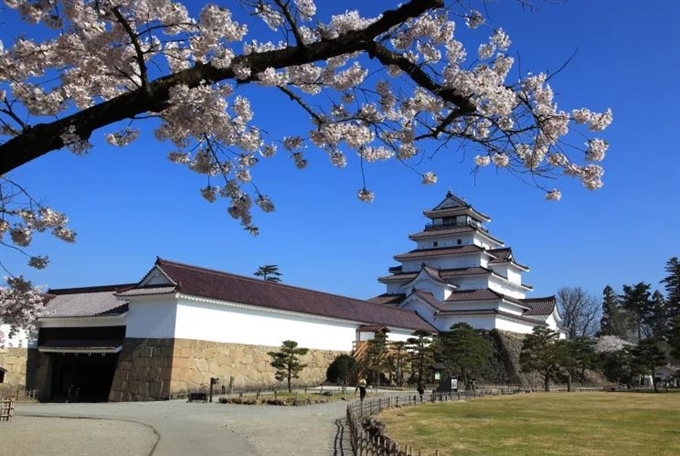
{"x": 177, "y": 427}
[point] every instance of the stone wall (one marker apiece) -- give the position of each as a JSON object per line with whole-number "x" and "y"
{"x": 143, "y": 371}
{"x": 156, "y": 369}
{"x": 14, "y": 360}
{"x": 195, "y": 361}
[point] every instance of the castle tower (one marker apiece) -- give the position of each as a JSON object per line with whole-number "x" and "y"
{"x": 459, "y": 272}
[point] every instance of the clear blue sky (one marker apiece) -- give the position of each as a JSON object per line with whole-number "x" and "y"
{"x": 130, "y": 205}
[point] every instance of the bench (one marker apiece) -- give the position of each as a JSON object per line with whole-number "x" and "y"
{"x": 196, "y": 397}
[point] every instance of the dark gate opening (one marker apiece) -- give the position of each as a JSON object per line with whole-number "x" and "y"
{"x": 84, "y": 361}
{"x": 82, "y": 377}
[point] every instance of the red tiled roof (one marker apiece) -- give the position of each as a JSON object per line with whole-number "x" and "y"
{"x": 372, "y": 328}
{"x": 504, "y": 255}
{"x": 443, "y": 231}
{"x": 429, "y": 298}
{"x": 485, "y": 294}
{"x": 451, "y": 203}
{"x": 388, "y": 298}
{"x": 540, "y": 306}
{"x": 458, "y": 272}
{"x": 211, "y": 284}
{"x": 428, "y": 253}
{"x": 443, "y": 274}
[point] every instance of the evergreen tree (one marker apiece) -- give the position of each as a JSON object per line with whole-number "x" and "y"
{"x": 397, "y": 358}
{"x": 269, "y": 272}
{"x": 421, "y": 354}
{"x": 636, "y": 300}
{"x": 672, "y": 285}
{"x": 541, "y": 354}
{"x": 465, "y": 351}
{"x": 376, "y": 356}
{"x": 287, "y": 362}
{"x": 657, "y": 320}
{"x": 342, "y": 370}
{"x": 575, "y": 356}
{"x": 648, "y": 356}
{"x": 619, "y": 366}
{"x": 614, "y": 321}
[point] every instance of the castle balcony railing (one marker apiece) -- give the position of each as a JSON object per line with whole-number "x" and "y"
{"x": 448, "y": 225}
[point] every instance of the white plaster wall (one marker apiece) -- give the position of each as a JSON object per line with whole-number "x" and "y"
{"x": 514, "y": 326}
{"x": 449, "y": 241}
{"x": 502, "y": 286}
{"x": 426, "y": 284}
{"x": 152, "y": 318}
{"x": 424, "y": 310}
{"x": 394, "y": 335}
{"x": 393, "y": 288}
{"x": 471, "y": 283}
{"x": 458, "y": 261}
{"x": 510, "y": 308}
{"x": 514, "y": 275}
{"x": 476, "y": 321}
{"x": 222, "y": 322}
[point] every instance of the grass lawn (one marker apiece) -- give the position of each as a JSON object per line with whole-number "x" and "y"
{"x": 617, "y": 424}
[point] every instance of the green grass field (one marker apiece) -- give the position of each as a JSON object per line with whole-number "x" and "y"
{"x": 617, "y": 424}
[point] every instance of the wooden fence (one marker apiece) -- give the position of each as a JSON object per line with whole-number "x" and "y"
{"x": 6, "y": 409}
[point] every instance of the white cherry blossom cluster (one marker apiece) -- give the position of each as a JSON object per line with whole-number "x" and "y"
{"x": 20, "y": 305}
{"x": 416, "y": 87}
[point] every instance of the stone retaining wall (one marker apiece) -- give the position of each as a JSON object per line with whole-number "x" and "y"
{"x": 195, "y": 361}
{"x": 14, "y": 360}
{"x": 153, "y": 369}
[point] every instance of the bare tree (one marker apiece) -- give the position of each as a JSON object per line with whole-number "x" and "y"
{"x": 580, "y": 311}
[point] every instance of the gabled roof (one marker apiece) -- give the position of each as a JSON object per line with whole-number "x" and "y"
{"x": 504, "y": 255}
{"x": 222, "y": 286}
{"x": 428, "y": 298}
{"x": 85, "y": 302}
{"x": 444, "y": 274}
{"x": 540, "y": 306}
{"x": 452, "y": 205}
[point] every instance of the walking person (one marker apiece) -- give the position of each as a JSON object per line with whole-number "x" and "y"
{"x": 361, "y": 386}
{"x": 421, "y": 390}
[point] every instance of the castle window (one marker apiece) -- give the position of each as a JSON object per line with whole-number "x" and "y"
{"x": 459, "y": 241}
{"x": 435, "y": 244}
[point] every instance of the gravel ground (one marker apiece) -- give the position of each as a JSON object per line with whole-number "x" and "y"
{"x": 184, "y": 429}
{"x": 64, "y": 436}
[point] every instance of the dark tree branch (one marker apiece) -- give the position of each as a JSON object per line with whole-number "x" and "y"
{"x": 46, "y": 137}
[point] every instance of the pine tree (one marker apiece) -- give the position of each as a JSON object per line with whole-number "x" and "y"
{"x": 287, "y": 362}
{"x": 421, "y": 354}
{"x": 672, "y": 285}
{"x": 269, "y": 272}
{"x": 636, "y": 300}
{"x": 465, "y": 351}
{"x": 614, "y": 321}
{"x": 648, "y": 355}
{"x": 541, "y": 353}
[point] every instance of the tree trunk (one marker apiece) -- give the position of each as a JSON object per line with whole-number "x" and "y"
{"x": 546, "y": 383}
{"x": 569, "y": 382}
{"x": 290, "y": 389}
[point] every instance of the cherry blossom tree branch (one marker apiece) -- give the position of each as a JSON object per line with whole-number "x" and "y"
{"x": 42, "y": 138}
